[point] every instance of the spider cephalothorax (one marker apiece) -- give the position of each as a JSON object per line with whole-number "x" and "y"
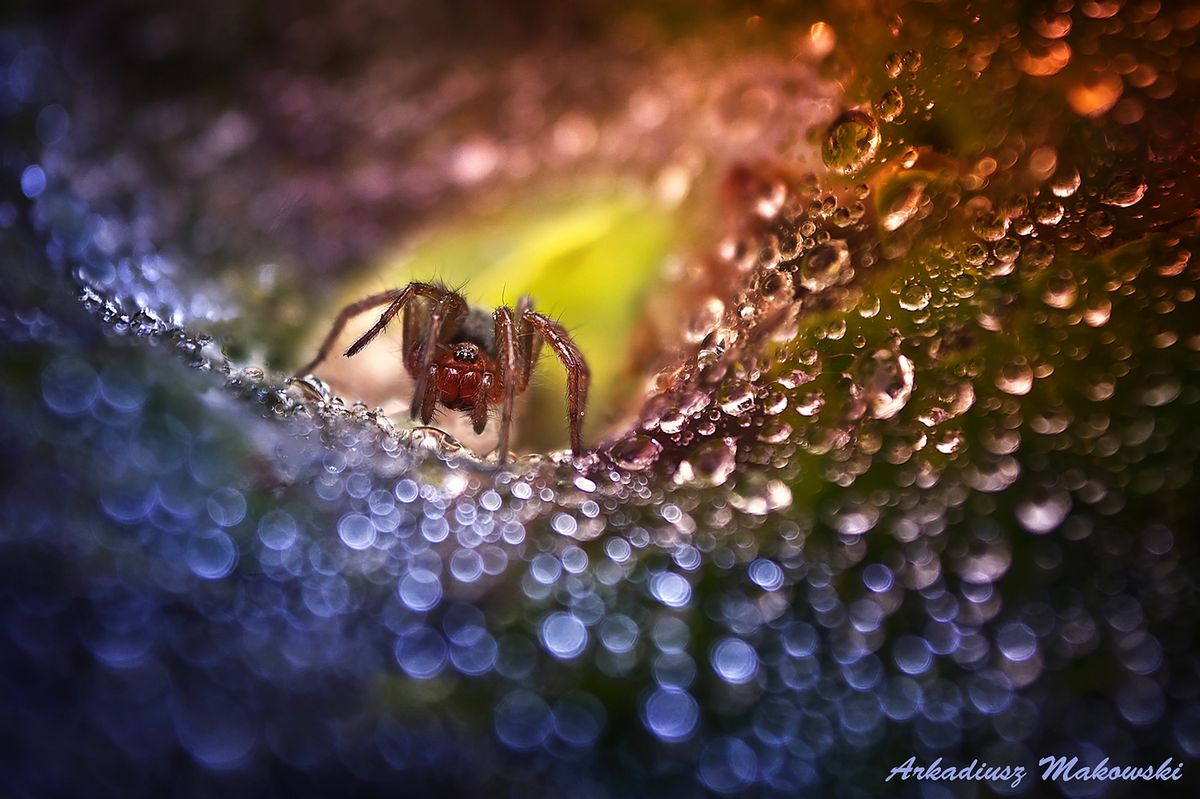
{"x": 466, "y": 360}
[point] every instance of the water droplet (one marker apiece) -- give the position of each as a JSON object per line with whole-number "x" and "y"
{"x": 890, "y": 105}
{"x": 705, "y": 320}
{"x": 734, "y": 660}
{"x": 523, "y": 720}
{"x": 825, "y": 266}
{"x": 1100, "y": 224}
{"x": 636, "y": 452}
{"x": 1017, "y": 642}
{"x": 759, "y": 496}
{"x": 893, "y": 65}
{"x": 211, "y": 554}
{"x": 670, "y": 589}
{"x": 1007, "y": 250}
{"x": 851, "y": 142}
{"x": 420, "y": 590}
{"x": 991, "y": 227}
{"x": 1065, "y": 183}
{"x": 671, "y": 714}
{"x": 1098, "y": 312}
{"x": 887, "y": 378}
{"x": 1126, "y": 189}
{"x": 1037, "y": 255}
{"x": 877, "y": 577}
{"x": 1015, "y": 377}
{"x": 563, "y": 635}
{"x": 278, "y": 530}
{"x": 421, "y": 652}
{"x": 728, "y": 766}
{"x": 1061, "y": 290}
{"x": 903, "y": 206}
{"x": 69, "y": 386}
{"x": 810, "y": 403}
{"x": 738, "y": 399}
{"x": 914, "y": 296}
{"x": 1045, "y": 511}
{"x": 766, "y": 574}
{"x": 1048, "y": 212}
{"x": 711, "y": 464}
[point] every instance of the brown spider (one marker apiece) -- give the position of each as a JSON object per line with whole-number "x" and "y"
{"x": 466, "y": 361}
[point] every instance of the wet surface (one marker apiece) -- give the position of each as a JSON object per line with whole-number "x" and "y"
{"x": 908, "y": 465}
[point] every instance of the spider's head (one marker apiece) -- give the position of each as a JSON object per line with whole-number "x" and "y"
{"x": 464, "y": 352}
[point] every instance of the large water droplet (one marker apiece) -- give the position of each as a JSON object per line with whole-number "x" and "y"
{"x": 1016, "y": 377}
{"x": 851, "y": 142}
{"x": 1100, "y": 224}
{"x": 711, "y": 464}
{"x": 887, "y": 379}
{"x": 636, "y": 452}
{"x": 1126, "y": 189}
{"x": 1065, "y": 183}
{"x": 825, "y": 266}
{"x": 738, "y": 400}
{"x": 890, "y": 105}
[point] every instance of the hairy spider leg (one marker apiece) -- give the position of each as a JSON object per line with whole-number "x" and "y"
{"x": 444, "y": 321}
{"x": 425, "y": 400}
{"x": 395, "y": 299}
{"x": 406, "y": 294}
{"x": 507, "y": 353}
{"x": 414, "y": 325}
{"x": 517, "y": 348}
{"x": 529, "y": 344}
{"x": 479, "y": 414}
{"x": 345, "y": 315}
{"x": 578, "y": 375}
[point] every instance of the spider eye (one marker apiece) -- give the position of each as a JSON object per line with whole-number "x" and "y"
{"x": 465, "y": 354}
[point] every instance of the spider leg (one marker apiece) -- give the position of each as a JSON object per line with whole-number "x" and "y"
{"x": 528, "y": 343}
{"x": 479, "y": 415}
{"x": 345, "y": 315}
{"x": 427, "y": 398}
{"x": 414, "y": 289}
{"x": 578, "y": 375}
{"x": 508, "y": 353}
{"x": 444, "y": 321}
{"x": 414, "y": 325}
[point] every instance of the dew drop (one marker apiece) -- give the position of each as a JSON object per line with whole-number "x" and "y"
{"x": 914, "y": 296}
{"x": 887, "y": 378}
{"x": 1048, "y": 212}
{"x": 705, "y": 320}
{"x": 890, "y": 105}
{"x": 563, "y": 635}
{"x": 710, "y": 465}
{"x": 893, "y": 65}
{"x": 1044, "y": 512}
{"x": 636, "y": 452}
{"x": 851, "y": 142}
{"x": 1099, "y": 224}
{"x": 1015, "y": 377}
{"x": 1126, "y": 189}
{"x": 825, "y": 266}
{"x": 1065, "y": 183}
{"x": 738, "y": 400}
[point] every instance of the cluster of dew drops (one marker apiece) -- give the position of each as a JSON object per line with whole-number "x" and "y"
{"x": 747, "y": 397}
{"x": 747, "y": 390}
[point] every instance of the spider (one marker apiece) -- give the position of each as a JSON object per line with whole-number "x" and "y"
{"x": 466, "y": 361}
